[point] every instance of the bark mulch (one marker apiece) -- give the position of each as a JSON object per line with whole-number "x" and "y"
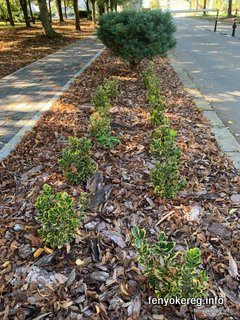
{"x": 97, "y": 276}
{"x": 21, "y": 46}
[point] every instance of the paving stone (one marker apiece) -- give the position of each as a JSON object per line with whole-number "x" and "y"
{"x": 30, "y": 91}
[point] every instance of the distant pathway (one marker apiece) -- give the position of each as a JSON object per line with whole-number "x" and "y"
{"x": 27, "y": 92}
{"x": 212, "y": 61}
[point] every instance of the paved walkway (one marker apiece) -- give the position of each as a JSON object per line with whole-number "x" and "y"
{"x": 29, "y": 91}
{"x": 212, "y": 62}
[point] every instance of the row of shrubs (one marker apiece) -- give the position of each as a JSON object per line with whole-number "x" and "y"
{"x": 58, "y": 215}
{"x": 165, "y": 153}
{"x": 169, "y": 273}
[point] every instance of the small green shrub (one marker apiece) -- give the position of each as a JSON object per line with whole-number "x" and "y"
{"x": 165, "y": 178}
{"x": 108, "y": 141}
{"x": 111, "y": 88}
{"x": 171, "y": 274}
{"x": 163, "y": 146}
{"x": 157, "y": 117}
{"x": 76, "y": 161}
{"x": 59, "y": 220}
{"x": 134, "y": 36}
{"x": 99, "y": 125}
{"x": 101, "y": 100}
{"x": 105, "y": 92}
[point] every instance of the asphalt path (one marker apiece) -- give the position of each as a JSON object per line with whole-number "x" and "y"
{"x": 212, "y": 61}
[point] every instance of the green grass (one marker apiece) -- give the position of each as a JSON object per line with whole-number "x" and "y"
{"x": 6, "y": 25}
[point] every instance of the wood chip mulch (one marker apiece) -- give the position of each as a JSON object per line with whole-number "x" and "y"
{"x": 21, "y": 46}
{"x": 97, "y": 276}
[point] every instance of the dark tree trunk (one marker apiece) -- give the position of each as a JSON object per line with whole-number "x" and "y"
{"x": 47, "y": 27}
{"x": 111, "y": 5}
{"x": 76, "y": 12}
{"x": 87, "y": 5}
{"x": 229, "y": 8}
{"x": 115, "y": 6}
{"x": 9, "y": 10}
{"x": 50, "y": 11}
{"x": 59, "y": 9}
{"x": 65, "y": 9}
{"x": 101, "y": 9}
{"x": 30, "y": 10}
{"x": 24, "y": 6}
{"x": 94, "y": 11}
{"x": 204, "y": 7}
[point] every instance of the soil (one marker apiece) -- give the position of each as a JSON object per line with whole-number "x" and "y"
{"x": 98, "y": 276}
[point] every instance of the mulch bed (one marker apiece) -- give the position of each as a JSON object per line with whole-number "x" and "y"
{"x": 21, "y": 46}
{"x": 97, "y": 276}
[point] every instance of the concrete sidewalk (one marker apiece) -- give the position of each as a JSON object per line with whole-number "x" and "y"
{"x": 208, "y": 65}
{"x": 28, "y": 92}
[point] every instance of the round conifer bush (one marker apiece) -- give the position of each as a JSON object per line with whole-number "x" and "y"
{"x": 134, "y": 36}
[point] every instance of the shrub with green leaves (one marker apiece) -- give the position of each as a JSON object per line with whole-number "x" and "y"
{"x": 134, "y": 36}
{"x": 58, "y": 216}
{"x": 76, "y": 161}
{"x": 163, "y": 145}
{"x": 171, "y": 274}
{"x": 108, "y": 140}
{"x": 99, "y": 125}
{"x": 104, "y": 93}
{"x": 111, "y": 88}
{"x": 165, "y": 178}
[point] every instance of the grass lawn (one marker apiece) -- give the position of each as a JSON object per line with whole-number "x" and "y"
{"x": 21, "y": 46}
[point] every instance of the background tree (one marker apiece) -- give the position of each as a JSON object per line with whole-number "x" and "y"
{"x": 76, "y": 12}
{"x": 24, "y": 7}
{"x": 59, "y": 9}
{"x": 50, "y": 11}
{"x": 9, "y": 10}
{"x": 44, "y": 14}
{"x": 229, "y": 13}
{"x": 31, "y": 13}
{"x": 94, "y": 20}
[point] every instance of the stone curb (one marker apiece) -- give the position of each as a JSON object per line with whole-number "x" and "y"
{"x": 226, "y": 141}
{"x": 11, "y": 145}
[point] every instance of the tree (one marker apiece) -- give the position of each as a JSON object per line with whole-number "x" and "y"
{"x": 50, "y": 11}
{"x": 31, "y": 13}
{"x": 76, "y": 12}
{"x": 59, "y": 8}
{"x": 9, "y": 10}
{"x": 47, "y": 27}
{"x": 229, "y": 8}
{"x": 24, "y": 7}
{"x": 65, "y": 8}
{"x": 204, "y": 7}
{"x": 94, "y": 11}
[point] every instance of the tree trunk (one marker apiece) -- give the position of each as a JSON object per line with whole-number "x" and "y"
{"x": 9, "y": 10}
{"x": 59, "y": 9}
{"x": 65, "y": 9}
{"x": 229, "y": 8}
{"x": 115, "y": 6}
{"x": 30, "y": 10}
{"x": 94, "y": 12}
{"x": 50, "y": 11}
{"x": 87, "y": 5}
{"x": 76, "y": 12}
{"x": 111, "y": 5}
{"x": 205, "y": 7}
{"x": 47, "y": 27}
{"x": 23, "y": 4}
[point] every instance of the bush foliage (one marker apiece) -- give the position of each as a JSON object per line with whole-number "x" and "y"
{"x": 76, "y": 161}
{"x": 171, "y": 274}
{"x": 59, "y": 220}
{"x": 134, "y": 36}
